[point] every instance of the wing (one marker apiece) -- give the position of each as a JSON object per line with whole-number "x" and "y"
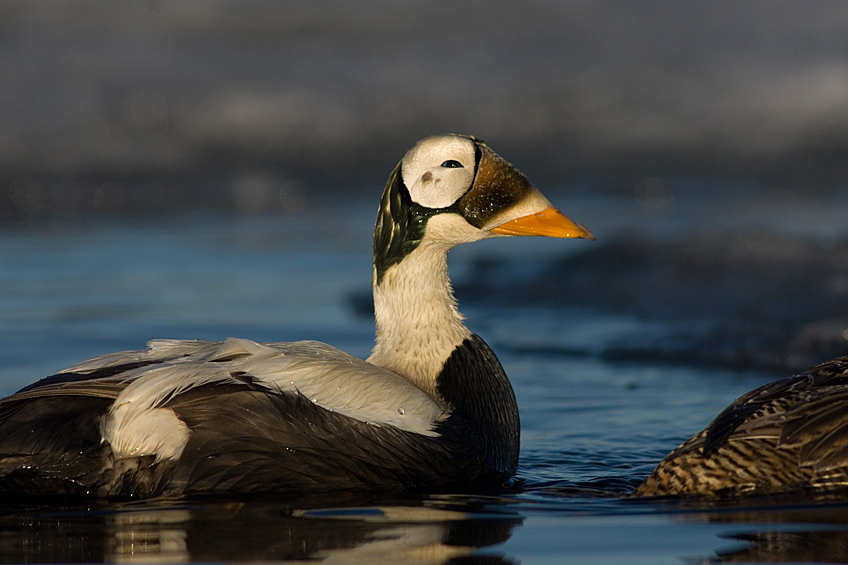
{"x": 151, "y": 403}
{"x": 807, "y": 411}
{"x": 784, "y": 435}
{"x": 330, "y": 378}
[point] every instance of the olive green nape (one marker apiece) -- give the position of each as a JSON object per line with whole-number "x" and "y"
{"x": 400, "y": 225}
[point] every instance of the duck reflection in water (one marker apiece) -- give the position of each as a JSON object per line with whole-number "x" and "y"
{"x": 420, "y": 531}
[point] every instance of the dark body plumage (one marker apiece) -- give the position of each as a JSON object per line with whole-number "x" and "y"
{"x": 787, "y": 435}
{"x": 247, "y": 437}
{"x": 298, "y": 446}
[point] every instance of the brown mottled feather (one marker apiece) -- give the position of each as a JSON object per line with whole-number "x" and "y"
{"x": 786, "y": 435}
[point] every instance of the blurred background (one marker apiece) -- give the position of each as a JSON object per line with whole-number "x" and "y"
{"x": 116, "y": 107}
{"x": 198, "y": 170}
{"x": 705, "y": 143}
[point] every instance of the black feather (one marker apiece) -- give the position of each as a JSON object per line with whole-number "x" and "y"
{"x": 476, "y": 387}
{"x": 50, "y": 444}
{"x": 97, "y": 374}
{"x": 245, "y": 441}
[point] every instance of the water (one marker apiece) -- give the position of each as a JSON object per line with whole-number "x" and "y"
{"x": 592, "y": 428}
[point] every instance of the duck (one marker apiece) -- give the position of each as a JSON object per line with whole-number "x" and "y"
{"x": 430, "y": 408}
{"x": 788, "y": 436}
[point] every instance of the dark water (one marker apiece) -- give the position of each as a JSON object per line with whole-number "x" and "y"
{"x": 593, "y": 423}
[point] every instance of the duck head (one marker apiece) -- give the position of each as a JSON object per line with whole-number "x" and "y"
{"x": 452, "y": 189}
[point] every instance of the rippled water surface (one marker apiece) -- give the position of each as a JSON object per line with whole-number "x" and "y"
{"x": 592, "y": 425}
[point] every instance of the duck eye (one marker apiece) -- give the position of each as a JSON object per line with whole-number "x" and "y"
{"x": 452, "y": 164}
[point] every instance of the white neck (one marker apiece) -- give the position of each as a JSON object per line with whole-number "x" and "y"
{"x": 418, "y": 324}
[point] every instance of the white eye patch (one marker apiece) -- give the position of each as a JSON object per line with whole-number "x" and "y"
{"x": 439, "y": 170}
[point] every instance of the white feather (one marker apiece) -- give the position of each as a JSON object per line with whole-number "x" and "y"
{"x": 139, "y": 424}
{"x": 429, "y": 183}
{"x": 135, "y": 433}
{"x": 418, "y": 324}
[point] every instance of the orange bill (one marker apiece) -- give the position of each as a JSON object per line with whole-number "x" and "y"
{"x": 549, "y": 223}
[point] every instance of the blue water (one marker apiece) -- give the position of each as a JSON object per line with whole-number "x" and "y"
{"x": 591, "y": 429}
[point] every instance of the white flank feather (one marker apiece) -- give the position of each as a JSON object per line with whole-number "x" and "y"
{"x": 139, "y": 424}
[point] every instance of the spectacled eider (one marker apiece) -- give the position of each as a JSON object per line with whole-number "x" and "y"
{"x": 430, "y": 407}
